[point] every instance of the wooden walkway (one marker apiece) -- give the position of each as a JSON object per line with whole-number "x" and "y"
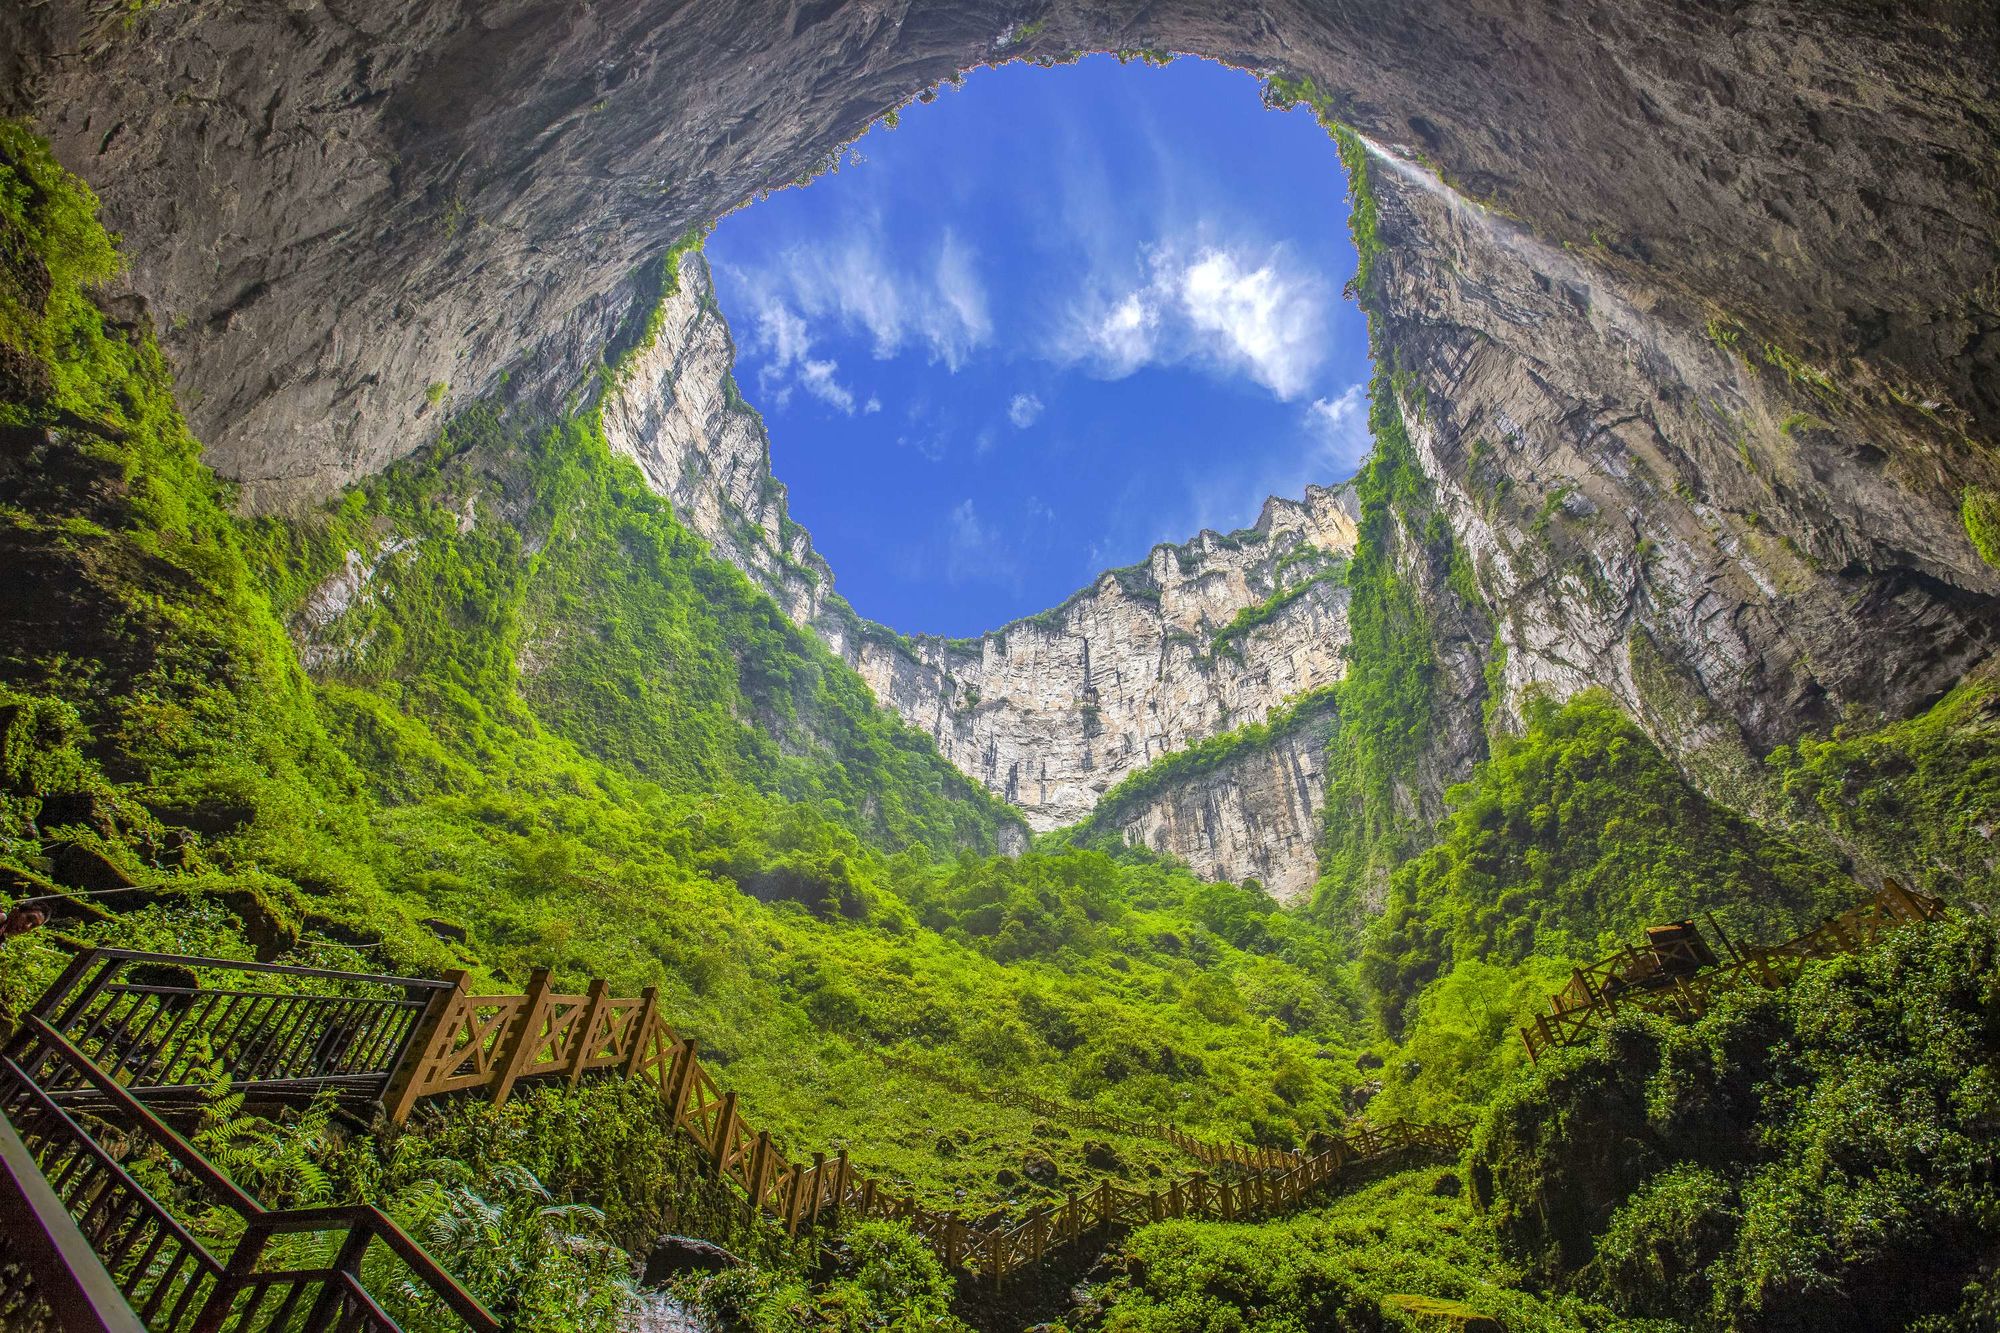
{"x": 86, "y": 1246}
{"x": 1363, "y": 1140}
{"x": 1678, "y": 974}
{"x": 488, "y": 1043}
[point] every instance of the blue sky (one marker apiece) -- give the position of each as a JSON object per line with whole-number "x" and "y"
{"x": 1051, "y": 319}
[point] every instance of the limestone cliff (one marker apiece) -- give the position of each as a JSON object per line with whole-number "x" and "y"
{"x": 1246, "y": 804}
{"x": 1052, "y": 711}
{"x": 1731, "y": 539}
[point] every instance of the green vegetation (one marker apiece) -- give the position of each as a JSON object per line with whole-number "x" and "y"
{"x": 1813, "y": 1158}
{"x": 1386, "y": 697}
{"x": 501, "y": 685}
{"x": 1393, "y": 1256}
{"x": 1913, "y": 798}
{"x": 1573, "y": 837}
{"x": 1980, "y": 511}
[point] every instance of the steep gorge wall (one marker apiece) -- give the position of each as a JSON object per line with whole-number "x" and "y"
{"x": 1051, "y": 711}
{"x": 1736, "y": 544}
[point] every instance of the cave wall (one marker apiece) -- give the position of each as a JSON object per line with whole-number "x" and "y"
{"x": 332, "y": 208}
{"x": 1701, "y": 383}
{"x": 1658, "y": 505}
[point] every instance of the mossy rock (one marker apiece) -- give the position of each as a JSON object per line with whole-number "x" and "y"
{"x": 1981, "y": 512}
{"x": 1434, "y": 1312}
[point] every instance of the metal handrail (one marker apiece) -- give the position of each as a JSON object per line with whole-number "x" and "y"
{"x": 363, "y": 1223}
{"x": 370, "y": 1221}
{"x": 280, "y": 969}
{"x": 274, "y": 1044}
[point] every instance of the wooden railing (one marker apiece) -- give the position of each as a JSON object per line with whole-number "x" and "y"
{"x": 161, "y": 1023}
{"x": 1682, "y": 976}
{"x": 50, "y": 1277}
{"x": 488, "y": 1043}
{"x": 121, "y": 1031}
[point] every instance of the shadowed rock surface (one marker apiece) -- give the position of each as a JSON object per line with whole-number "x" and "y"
{"x": 333, "y": 207}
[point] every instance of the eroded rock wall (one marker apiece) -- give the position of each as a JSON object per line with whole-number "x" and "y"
{"x": 332, "y": 208}
{"x": 1736, "y": 544}
{"x": 1255, "y": 813}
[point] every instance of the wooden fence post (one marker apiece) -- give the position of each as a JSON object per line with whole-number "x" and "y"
{"x": 725, "y": 1134}
{"x": 583, "y": 1039}
{"x": 760, "y": 1168}
{"x": 818, "y": 1190}
{"x": 686, "y": 1061}
{"x": 641, "y": 1032}
{"x": 522, "y": 1036}
{"x": 406, "y": 1084}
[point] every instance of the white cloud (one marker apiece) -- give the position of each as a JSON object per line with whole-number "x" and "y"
{"x": 934, "y": 301}
{"x": 1339, "y": 429}
{"x": 817, "y": 377}
{"x": 872, "y": 406}
{"x": 786, "y": 341}
{"x": 1258, "y": 315}
{"x": 1023, "y": 409}
{"x": 1272, "y": 323}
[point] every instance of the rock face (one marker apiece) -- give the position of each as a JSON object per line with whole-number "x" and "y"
{"x": 1255, "y": 814}
{"x": 1733, "y": 542}
{"x": 1700, "y": 393}
{"x": 1052, "y": 711}
{"x": 333, "y": 208}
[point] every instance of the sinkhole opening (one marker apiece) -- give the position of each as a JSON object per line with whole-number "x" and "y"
{"x": 1033, "y": 327}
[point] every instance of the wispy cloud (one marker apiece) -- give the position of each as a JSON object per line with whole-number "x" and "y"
{"x": 1023, "y": 409}
{"x": 933, "y": 301}
{"x": 817, "y": 378}
{"x": 1231, "y": 309}
{"x": 976, "y": 551}
{"x": 785, "y": 343}
{"x": 1339, "y": 428}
